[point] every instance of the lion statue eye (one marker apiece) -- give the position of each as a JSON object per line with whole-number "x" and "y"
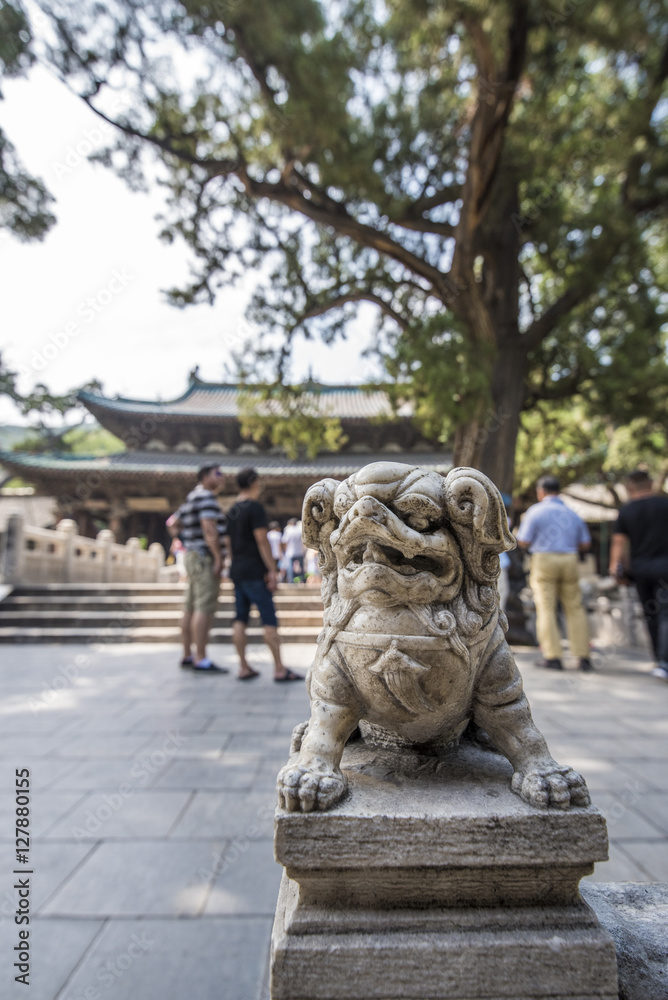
{"x": 418, "y": 523}
{"x": 342, "y": 503}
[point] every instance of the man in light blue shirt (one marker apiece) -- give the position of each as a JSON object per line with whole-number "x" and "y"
{"x": 555, "y": 535}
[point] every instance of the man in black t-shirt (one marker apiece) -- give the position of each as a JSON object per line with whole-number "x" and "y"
{"x": 254, "y": 574}
{"x": 639, "y": 550}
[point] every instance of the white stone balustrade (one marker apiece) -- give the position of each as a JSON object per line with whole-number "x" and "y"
{"x": 60, "y": 555}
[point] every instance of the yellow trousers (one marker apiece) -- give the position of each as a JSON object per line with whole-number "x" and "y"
{"x": 554, "y": 576}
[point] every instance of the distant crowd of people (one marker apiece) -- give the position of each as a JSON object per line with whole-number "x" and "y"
{"x": 555, "y": 535}
{"x": 258, "y": 554}
{"x": 296, "y": 564}
{"x": 236, "y": 541}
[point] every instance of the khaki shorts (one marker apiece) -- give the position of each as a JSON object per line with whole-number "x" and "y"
{"x": 203, "y": 586}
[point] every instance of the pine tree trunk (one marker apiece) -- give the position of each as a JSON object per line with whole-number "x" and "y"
{"x": 488, "y": 442}
{"x": 499, "y": 435}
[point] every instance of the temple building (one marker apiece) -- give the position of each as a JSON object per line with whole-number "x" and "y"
{"x": 134, "y": 491}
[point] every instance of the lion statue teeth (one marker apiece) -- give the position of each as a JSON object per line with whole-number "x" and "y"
{"x": 413, "y": 639}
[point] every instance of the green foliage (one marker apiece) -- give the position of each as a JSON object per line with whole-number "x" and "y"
{"x": 39, "y": 399}
{"x": 492, "y": 177}
{"x": 642, "y": 443}
{"x": 44, "y": 435}
{"x": 24, "y": 201}
{"x": 561, "y": 439}
{"x": 12, "y": 435}
{"x": 287, "y": 417}
{"x": 80, "y": 440}
{"x": 445, "y": 375}
{"x": 576, "y": 445}
{"x": 93, "y": 440}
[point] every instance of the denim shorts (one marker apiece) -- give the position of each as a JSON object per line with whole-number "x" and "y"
{"x": 247, "y": 592}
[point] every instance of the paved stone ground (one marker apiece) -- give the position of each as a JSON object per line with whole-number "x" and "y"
{"x": 152, "y": 800}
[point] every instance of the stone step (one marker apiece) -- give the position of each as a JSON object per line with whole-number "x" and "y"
{"x": 100, "y": 589}
{"x": 124, "y": 616}
{"x": 140, "y": 589}
{"x": 139, "y": 634}
{"x": 140, "y": 613}
{"x": 174, "y": 604}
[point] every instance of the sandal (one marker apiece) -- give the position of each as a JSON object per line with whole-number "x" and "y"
{"x": 289, "y": 675}
{"x": 249, "y": 676}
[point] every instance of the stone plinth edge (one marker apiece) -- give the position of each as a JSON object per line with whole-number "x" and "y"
{"x": 559, "y": 957}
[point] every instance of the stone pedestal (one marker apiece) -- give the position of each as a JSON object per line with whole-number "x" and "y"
{"x": 431, "y": 879}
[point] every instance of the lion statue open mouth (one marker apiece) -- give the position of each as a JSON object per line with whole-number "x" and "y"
{"x": 413, "y": 640}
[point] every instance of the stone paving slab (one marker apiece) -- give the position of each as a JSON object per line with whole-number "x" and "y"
{"x": 138, "y": 878}
{"x": 249, "y": 881}
{"x": 126, "y": 814}
{"x": 56, "y": 863}
{"x": 60, "y": 944}
{"x": 206, "y": 959}
{"x": 187, "y": 857}
{"x": 229, "y": 771}
{"x": 236, "y": 814}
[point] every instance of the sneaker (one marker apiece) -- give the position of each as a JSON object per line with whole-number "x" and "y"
{"x": 586, "y": 666}
{"x": 550, "y": 664}
{"x": 660, "y": 672}
{"x": 207, "y": 667}
{"x": 187, "y": 662}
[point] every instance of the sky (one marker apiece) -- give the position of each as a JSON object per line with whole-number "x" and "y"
{"x": 86, "y": 302}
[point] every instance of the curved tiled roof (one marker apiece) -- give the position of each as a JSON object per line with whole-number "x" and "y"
{"x": 133, "y": 463}
{"x": 220, "y": 400}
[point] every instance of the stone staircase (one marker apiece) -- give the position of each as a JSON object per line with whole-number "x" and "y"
{"x": 140, "y": 612}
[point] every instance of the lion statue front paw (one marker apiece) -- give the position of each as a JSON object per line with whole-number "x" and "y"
{"x": 560, "y": 787}
{"x": 307, "y": 788}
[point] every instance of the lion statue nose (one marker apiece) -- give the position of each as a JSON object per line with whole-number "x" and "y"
{"x": 368, "y": 507}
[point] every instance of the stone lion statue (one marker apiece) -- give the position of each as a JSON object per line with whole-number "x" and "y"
{"x": 413, "y": 646}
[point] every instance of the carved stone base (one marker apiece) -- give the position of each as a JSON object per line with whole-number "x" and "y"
{"x": 432, "y": 880}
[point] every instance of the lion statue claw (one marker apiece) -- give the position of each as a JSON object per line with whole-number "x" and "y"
{"x": 413, "y": 641}
{"x": 303, "y": 790}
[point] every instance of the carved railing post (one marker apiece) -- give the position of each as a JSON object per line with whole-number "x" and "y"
{"x": 106, "y": 540}
{"x": 14, "y": 549}
{"x": 68, "y": 528}
{"x": 158, "y": 553}
{"x": 134, "y": 547}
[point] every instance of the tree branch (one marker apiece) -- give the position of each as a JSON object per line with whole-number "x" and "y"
{"x": 216, "y": 168}
{"x": 445, "y": 196}
{"x": 545, "y": 324}
{"x": 425, "y": 226}
{"x": 341, "y": 300}
{"x": 342, "y": 222}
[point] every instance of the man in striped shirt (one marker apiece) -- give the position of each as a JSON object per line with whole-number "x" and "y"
{"x": 201, "y": 526}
